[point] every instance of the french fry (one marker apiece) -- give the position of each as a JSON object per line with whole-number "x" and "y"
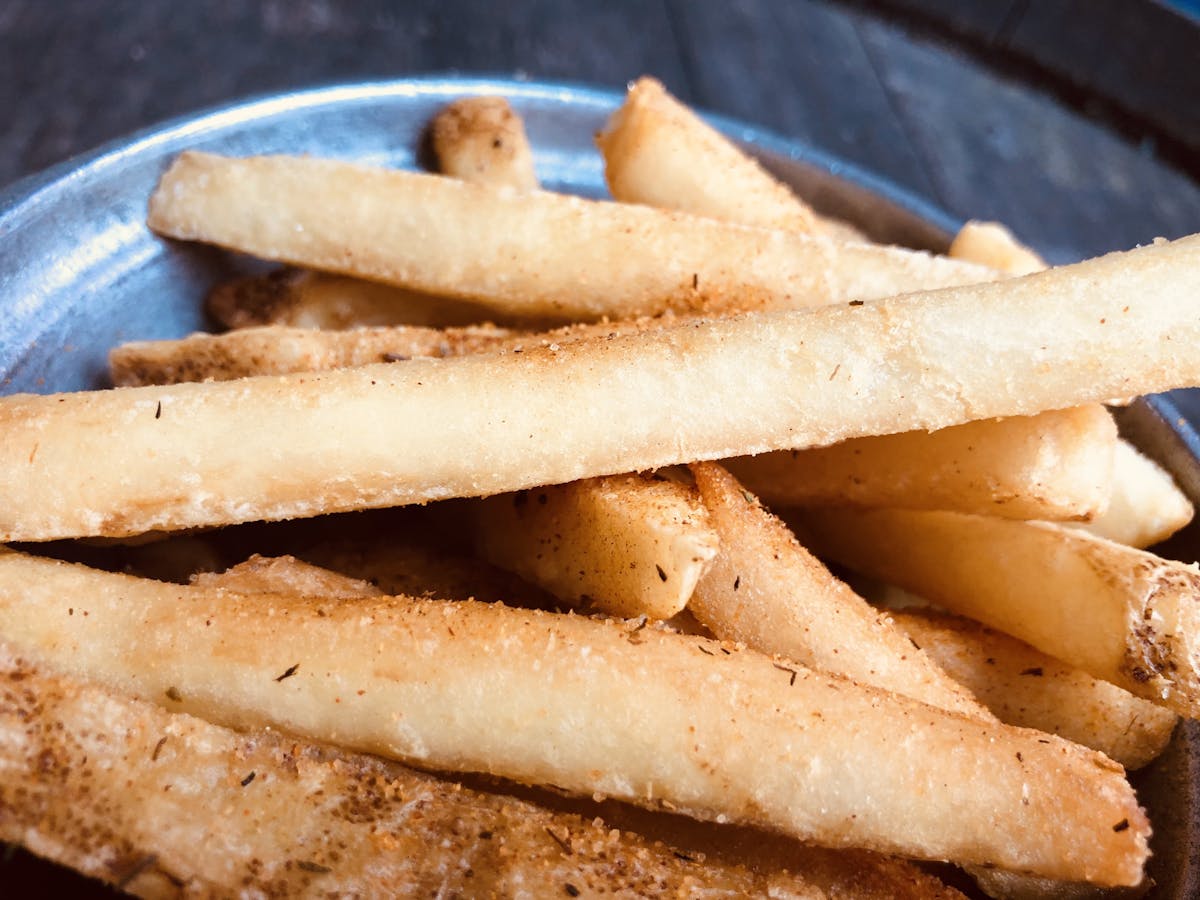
{"x": 286, "y": 575}
{"x": 767, "y": 591}
{"x": 858, "y": 873}
{"x": 1025, "y": 687}
{"x": 1053, "y": 465}
{"x": 164, "y": 804}
{"x": 281, "y": 350}
{"x": 591, "y": 706}
{"x": 278, "y": 350}
{"x": 1145, "y": 506}
{"x": 161, "y": 457}
{"x": 1120, "y": 614}
{"x": 626, "y": 545}
{"x": 660, "y": 153}
{"x": 525, "y": 254}
{"x": 301, "y": 299}
{"x": 481, "y": 139}
{"x": 991, "y": 244}
{"x": 397, "y": 564}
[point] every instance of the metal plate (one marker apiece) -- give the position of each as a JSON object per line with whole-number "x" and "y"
{"x": 80, "y": 272}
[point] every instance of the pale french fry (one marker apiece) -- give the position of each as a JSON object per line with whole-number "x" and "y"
{"x": 659, "y": 153}
{"x": 991, "y": 244}
{"x": 162, "y": 457}
{"x": 767, "y": 591}
{"x": 1145, "y": 506}
{"x": 164, "y": 804}
{"x": 481, "y": 139}
{"x": 1024, "y": 686}
{"x": 626, "y": 545}
{"x": 278, "y": 350}
{"x": 1054, "y": 465}
{"x": 1120, "y": 614}
{"x": 525, "y": 254}
{"x": 592, "y": 706}
{"x": 303, "y": 299}
{"x": 286, "y": 575}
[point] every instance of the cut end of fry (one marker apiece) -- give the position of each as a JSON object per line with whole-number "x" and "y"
{"x": 991, "y": 244}
{"x": 482, "y": 139}
{"x": 659, "y": 153}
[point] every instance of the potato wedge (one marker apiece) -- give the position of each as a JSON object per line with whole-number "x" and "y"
{"x": 636, "y": 713}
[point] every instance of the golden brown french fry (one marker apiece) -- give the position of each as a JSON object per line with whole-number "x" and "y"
{"x": 1054, "y": 465}
{"x": 1025, "y": 687}
{"x": 991, "y": 244}
{"x": 162, "y": 457}
{"x": 1145, "y": 506}
{"x": 422, "y": 568}
{"x": 165, "y": 804}
{"x": 592, "y": 706}
{"x": 660, "y": 153}
{"x": 301, "y": 299}
{"x": 286, "y": 575}
{"x": 1123, "y": 615}
{"x": 278, "y": 350}
{"x": 481, "y": 139}
{"x": 525, "y": 254}
{"x": 767, "y": 591}
{"x": 626, "y": 545}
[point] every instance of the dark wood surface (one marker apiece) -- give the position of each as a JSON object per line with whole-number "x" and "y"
{"x": 76, "y": 73}
{"x": 887, "y": 86}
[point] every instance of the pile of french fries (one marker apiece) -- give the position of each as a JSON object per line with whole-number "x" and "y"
{"x": 629, "y": 675}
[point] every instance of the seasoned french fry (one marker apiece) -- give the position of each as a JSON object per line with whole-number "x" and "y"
{"x": 991, "y": 244}
{"x": 162, "y": 457}
{"x": 286, "y": 575}
{"x": 1025, "y": 687}
{"x": 526, "y": 254}
{"x": 481, "y": 139}
{"x": 767, "y": 591}
{"x": 1145, "y": 506}
{"x": 281, "y": 350}
{"x": 1054, "y": 465}
{"x": 592, "y": 706}
{"x": 660, "y": 153}
{"x": 164, "y": 804}
{"x": 1120, "y": 614}
{"x": 626, "y": 545}
{"x": 278, "y": 350}
{"x": 301, "y": 299}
